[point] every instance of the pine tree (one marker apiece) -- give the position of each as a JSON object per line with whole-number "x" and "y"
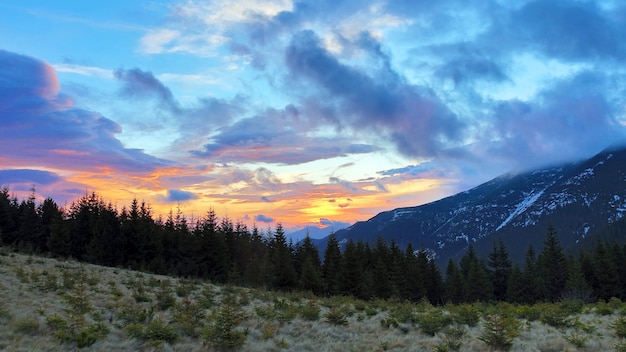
{"x": 553, "y": 266}
{"x": 352, "y": 269}
{"x": 331, "y": 269}
{"x": 59, "y": 241}
{"x": 576, "y": 287}
{"x": 382, "y": 285}
{"x": 309, "y": 267}
{"x": 282, "y": 262}
{"x": 455, "y": 292}
{"x": 415, "y": 288}
{"x": 477, "y": 285}
{"x": 499, "y": 270}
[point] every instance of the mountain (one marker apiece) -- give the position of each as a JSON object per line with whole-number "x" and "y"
{"x": 576, "y": 198}
{"x": 315, "y": 232}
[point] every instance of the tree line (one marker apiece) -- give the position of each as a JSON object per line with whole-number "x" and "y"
{"x": 223, "y": 251}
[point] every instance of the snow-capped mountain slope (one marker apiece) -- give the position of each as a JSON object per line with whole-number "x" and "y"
{"x": 576, "y": 198}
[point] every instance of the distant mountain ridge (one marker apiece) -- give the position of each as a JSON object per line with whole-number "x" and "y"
{"x": 576, "y": 198}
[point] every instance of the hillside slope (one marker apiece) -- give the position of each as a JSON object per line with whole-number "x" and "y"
{"x": 576, "y": 198}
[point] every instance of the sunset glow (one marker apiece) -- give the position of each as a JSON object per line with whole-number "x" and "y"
{"x": 302, "y": 113}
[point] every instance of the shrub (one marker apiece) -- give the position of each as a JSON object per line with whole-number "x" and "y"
{"x": 465, "y": 314}
{"x": 188, "y": 317}
{"x": 619, "y": 327}
{"x": 165, "y": 297}
{"x": 530, "y": 313}
{"x": 310, "y": 311}
{"x": 500, "y": 331}
{"x": 555, "y": 316}
{"x": 158, "y": 331}
{"x": 452, "y": 337}
{"x": 432, "y": 321}
{"x": 223, "y": 331}
{"x": 89, "y": 335}
{"x": 207, "y": 296}
{"x": 403, "y": 312}
{"x": 388, "y": 322}
{"x": 140, "y": 294}
{"x": 336, "y": 316}
{"x": 129, "y": 314}
{"x": 27, "y": 325}
{"x": 603, "y": 308}
{"x": 60, "y": 328}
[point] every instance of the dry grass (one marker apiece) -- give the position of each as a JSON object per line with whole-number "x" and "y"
{"x": 34, "y": 289}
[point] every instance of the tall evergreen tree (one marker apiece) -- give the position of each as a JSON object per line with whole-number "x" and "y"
{"x": 499, "y": 270}
{"x": 415, "y": 288}
{"x": 478, "y": 287}
{"x": 455, "y": 291}
{"x": 576, "y": 287}
{"x": 331, "y": 268}
{"x": 282, "y": 262}
{"x": 553, "y": 266}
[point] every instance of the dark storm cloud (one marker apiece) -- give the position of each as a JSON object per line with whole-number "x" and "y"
{"x": 9, "y": 177}
{"x": 413, "y": 117}
{"x": 42, "y": 126}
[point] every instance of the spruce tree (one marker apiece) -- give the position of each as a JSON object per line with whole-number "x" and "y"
{"x": 455, "y": 292}
{"x": 553, "y": 266}
{"x": 499, "y": 270}
{"x": 415, "y": 287}
{"x": 285, "y": 276}
{"x": 331, "y": 269}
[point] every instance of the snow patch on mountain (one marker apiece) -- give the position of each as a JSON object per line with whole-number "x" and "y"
{"x": 521, "y": 207}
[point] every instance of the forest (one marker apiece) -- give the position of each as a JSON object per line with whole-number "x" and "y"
{"x": 222, "y": 251}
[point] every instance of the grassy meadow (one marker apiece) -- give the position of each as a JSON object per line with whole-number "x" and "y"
{"x": 55, "y": 305}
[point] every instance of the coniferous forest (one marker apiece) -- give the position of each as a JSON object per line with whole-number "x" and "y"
{"x": 223, "y": 251}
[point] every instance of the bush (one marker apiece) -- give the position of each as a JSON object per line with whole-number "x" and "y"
{"x": 619, "y": 327}
{"x": 530, "y": 313}
{"x": 432, "y": 321}
{"x": 60, "y": 328}
{"x": 158, "y": 331}
{"x": 165, "y": 297}
{"x": 188, "y": 317}
{"x": 89, "y": 335}
{"x": 465, "y": 314}
{"x": 388, "y": 322}
{"x": 452, "y": 337}
{"x": 555, "y": 316}
{"x": 27, "y": 325}
{"x": 223, "y": 332}
{"x": 500, "y": 331}
{"x": 310, "y": 311}
{"x": 336, "y": 316}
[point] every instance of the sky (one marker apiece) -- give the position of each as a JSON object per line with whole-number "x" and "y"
{"x": 317, "y": 113}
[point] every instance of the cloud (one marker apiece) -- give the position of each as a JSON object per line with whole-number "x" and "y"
{"x": 176, "y": 195}
{"x": 570, "y": 30}
{"x": 43, "y": 127}
{"x": 276, "y": 136}
{"x": 413, "y": 170}
{"x": 573, "y": 117}
{"x": 263, "y": 218}
{"x": 8, "y": 177}
{"x": 143, "y": 84}
{"x": 412, "y": 117}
